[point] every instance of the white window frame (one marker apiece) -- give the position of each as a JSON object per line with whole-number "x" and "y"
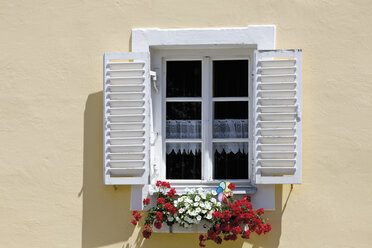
{"x": 257, "y": 37}
{"x": 207, "y": 56}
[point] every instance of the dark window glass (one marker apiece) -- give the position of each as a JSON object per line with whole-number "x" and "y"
{"x": 183, "y": 161}
{"x": 183, "y": 120}
{"x": 184, "y": 79}
{"x": 231, "y": 110}
{"x": 183, "y": 111}
{"x": 230, "y": 160}
{"x": 230, "y": 78}
{"x": 230, "y": 120}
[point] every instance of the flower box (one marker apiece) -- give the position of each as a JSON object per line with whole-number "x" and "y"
{"x": 198, "y": 211}
{"x": 202, "y": 227}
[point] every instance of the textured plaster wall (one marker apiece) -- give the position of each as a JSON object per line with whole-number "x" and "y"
{"x": 51, "y": 188}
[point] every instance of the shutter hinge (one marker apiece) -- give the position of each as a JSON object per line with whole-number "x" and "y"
{"x": 153, "y": 137}
{"x": 154, "y": 80}
{"x": 298, "y": 113}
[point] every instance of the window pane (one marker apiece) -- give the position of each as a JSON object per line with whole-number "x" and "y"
{"x": 230, "y": 120}
{"x": 230, "y": 78}
{"x": 230, "y": 160}
{"x": 183, "y": 120}
{"x": 183, "y": 79}
{"x": 183, "y": 161}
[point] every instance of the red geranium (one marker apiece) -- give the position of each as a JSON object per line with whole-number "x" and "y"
{"x": 146, "y": 201}
{"x": 236, "y": 230}
{"x": 134, "y": 222}
{"x": 159, "y": 216}
{"x": 171, "y": 193}
{"x": 158, "y": 224}
{"x": 260, "y": 211}
{"x": 232, "y": 186}
{"x": 136, "y": 215}
{"x": 146, "y": 233}
{"x": 162, "y": 184}
{"x": 227, "y": 224}
{"x": 160, "y": 200}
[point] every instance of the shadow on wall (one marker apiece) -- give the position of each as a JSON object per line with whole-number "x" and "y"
{"x": 106, "y": 209}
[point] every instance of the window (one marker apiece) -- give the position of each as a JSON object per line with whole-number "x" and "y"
{"x": 220, "y": 109}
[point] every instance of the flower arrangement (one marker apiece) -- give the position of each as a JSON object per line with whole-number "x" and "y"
{"x": 228, "y": 219}
{"x": 195, "y": 205}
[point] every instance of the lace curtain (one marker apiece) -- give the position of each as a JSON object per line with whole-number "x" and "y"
{"x": 191, "y": 129}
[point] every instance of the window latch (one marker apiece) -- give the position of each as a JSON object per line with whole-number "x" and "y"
{"x": 154, "y": 79}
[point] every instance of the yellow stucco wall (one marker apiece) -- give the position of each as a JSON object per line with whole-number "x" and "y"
{"x": 51, "y": 189}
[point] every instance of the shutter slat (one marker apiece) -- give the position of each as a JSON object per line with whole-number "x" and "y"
{"x": 276, "y": 131}
{"x": 277, "y": 70}
{"x": 276, "y": 124}
{"x": 126, "y": 118}
{"x": 126, "y": 73}
{"x": 278, "y": 103}
{"x": 277, "y": 86}
{"x": 276, "y": 78}
{"x": 134, "y": 172}
{"x": 276, "y": 155}
{"x": 276, "y": 63}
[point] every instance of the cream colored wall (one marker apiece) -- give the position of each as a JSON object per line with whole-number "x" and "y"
{"x": 51, "y": 188}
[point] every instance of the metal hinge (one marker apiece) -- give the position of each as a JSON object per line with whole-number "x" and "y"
{"x": 154, "y": 80}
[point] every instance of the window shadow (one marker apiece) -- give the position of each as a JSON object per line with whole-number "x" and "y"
{"x": 106, "y": 209}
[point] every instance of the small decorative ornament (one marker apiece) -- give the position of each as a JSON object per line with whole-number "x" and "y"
{"x": 224, "y": 192}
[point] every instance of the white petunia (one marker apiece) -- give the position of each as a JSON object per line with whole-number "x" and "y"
{"x": 197, "y": 198}
{"x": 214, "y": 192}
{"x": 197, "y": 210}
{"x": 170, "y": 219}
{"x": 209, "y": 216}
{"x": 196, "y": 204}
{"x": 213, "y": 200}
{"x": 202, "y": 205}
{"x": 181, "y": 210}
{"x": 204, "y": 211}
{"x": 198, "y": 217}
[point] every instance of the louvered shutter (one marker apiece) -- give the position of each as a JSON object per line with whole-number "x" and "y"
{"x": 278, "y": 106}
{"x": 126, "y": 92}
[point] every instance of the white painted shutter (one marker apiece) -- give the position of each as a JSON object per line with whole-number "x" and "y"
{"x": 278, "y": 107}
{"x": 126, "y": 93}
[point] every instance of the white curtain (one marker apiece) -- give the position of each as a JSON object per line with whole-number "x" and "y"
{"x": 191, "y": 129}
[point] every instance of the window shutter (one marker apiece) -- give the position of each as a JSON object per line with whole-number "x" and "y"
{"x": 278, "y": 107}
{"x": 126, "y": 93}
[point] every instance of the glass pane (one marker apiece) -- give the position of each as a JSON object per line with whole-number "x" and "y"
{"x": 230, "y": 160}
{"x": 230, "y": 120}
{"x": 230, "y": 78}
{"x": 183, "y": 161}
{"x": 183, "y": 79}
{"x": 183, "y": 120}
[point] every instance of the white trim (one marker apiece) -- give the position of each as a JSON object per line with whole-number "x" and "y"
{"x": 262, "y": 36}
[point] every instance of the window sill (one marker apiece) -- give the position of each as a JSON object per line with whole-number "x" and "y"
{"x": 181, "y": 188}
